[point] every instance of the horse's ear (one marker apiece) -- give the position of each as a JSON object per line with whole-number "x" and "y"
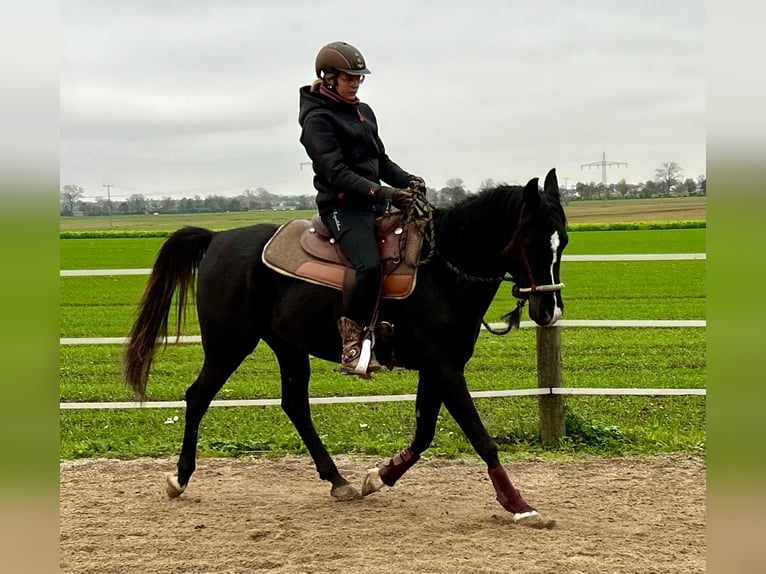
{"x": 532, "y": 194}
{"x": 552, "y": 185}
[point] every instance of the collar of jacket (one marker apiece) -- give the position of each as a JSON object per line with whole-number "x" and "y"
{"x": 325, "y": 91}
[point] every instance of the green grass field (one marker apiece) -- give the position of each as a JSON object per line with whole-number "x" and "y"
{"x": 104, "y": 306}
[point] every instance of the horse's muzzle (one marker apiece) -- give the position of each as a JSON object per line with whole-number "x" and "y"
{"x": 542, "y": 310}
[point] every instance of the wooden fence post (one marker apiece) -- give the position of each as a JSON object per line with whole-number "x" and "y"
{"x": 549, "y": 374}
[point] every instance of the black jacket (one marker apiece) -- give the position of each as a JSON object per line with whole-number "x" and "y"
{"x": 347, "y": 155}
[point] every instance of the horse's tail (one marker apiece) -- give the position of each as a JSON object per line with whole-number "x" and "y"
{"x": 175, "y": 268}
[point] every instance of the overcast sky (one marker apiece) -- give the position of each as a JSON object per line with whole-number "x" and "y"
{"x": 177, "y": 98}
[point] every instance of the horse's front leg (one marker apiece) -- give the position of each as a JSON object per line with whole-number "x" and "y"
{"x": 427, "y": 404}
{"x": 460, "y": 405}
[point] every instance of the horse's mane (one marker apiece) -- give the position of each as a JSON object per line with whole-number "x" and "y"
{"x": 476, "y": 229}
{"x": 487, "y": 213}
{"x": 490, "y": 205}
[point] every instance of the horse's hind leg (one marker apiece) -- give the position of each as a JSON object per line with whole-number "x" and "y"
{"x": 295, "y": 373}
{"x": 214, "y": 373}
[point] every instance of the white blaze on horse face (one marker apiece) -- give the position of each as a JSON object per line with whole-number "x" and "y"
{"x": 555, "y": 242}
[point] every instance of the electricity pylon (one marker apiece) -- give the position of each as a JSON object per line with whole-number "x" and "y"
{"x": 603, "y": 165}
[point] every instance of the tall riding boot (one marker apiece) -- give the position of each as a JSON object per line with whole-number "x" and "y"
{"x": 351, "y": 335}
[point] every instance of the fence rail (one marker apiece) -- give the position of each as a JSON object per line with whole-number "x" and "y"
{"x": 385, "y": 398}
{"x": 564, "y": 258}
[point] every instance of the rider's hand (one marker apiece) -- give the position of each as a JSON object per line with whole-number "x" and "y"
{"x": 417, "y": 184}
{"x": 399, "y": 198}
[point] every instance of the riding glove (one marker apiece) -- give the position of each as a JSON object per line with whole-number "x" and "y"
{"x": 399, "y": 198}
{"x": 417, "y": 183}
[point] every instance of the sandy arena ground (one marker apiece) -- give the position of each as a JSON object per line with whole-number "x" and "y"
{"x": 258, "y": 516}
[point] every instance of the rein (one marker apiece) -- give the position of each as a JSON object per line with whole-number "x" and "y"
{"x": 467, "y": 276}
{"x": 512, "y": 319}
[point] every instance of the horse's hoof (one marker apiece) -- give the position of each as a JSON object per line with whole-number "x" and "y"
{"x": 532, "y": 519}
{"x": 172, "y": 486}
{"x": 345, "y": 492}
{"x": 372, "y": 482}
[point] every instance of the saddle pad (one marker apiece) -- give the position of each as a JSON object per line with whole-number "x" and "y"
{"x": 284, "y": 255}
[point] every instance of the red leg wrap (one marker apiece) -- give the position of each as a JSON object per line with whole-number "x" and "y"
{"x": 393, "y": 470}
{"x": 507, "y": 495}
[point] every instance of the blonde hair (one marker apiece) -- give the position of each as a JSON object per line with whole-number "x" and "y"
{"x": 328, "y": 79}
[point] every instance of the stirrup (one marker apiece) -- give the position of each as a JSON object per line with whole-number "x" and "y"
{"x": 364, "y": 357}
{"x": 357, "y": 357}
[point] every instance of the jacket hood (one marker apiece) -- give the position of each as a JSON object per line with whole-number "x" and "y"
{"x": 308, "y": 102}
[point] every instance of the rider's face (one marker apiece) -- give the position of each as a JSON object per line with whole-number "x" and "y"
{"x": 348, "y": 84}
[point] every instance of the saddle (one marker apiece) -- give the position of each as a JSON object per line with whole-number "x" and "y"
{"x": 305, "y": 249}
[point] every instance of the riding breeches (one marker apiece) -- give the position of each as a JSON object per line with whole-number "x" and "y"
{"x": 355, "y": 231}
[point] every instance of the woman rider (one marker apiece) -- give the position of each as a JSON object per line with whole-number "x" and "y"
{"x": 340, "y": 135}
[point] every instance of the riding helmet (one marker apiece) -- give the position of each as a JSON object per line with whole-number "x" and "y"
{"x": 342, "y": 57}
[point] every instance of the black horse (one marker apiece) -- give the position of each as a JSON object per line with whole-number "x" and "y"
{"x": 508, "y": 230}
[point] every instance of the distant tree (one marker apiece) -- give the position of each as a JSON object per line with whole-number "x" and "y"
{"x": 249, "y": 196}
{"x": 651, "y": 189}
{"x": 191, "y": 205}
{"x": 90, "y": 208}
{"x": 167, "y": 205}
{"x": 702, "y": 185}
{"x": 586, "y": 190}
{"x": 264, "y": 200}
{"x": 185, "y": 205}
{"x": 135, "y": 204}
{"x": 689, "y": 187}
{"x": 305, "y": 202}
{"x": 69, "y": 196}
{"x": 488, "y": 183}
{"x": 216, "y": 203}
{"x": 667, "y": 176}
{"x": 622, "y": 188}
{"x": 452, "y": 192}
{"x": 102, "y": 206}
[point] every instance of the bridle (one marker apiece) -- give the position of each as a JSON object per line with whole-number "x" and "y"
{"x": 533, "y": 286}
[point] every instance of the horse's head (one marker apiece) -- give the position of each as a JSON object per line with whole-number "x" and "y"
{"x": 536, "y": 250}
